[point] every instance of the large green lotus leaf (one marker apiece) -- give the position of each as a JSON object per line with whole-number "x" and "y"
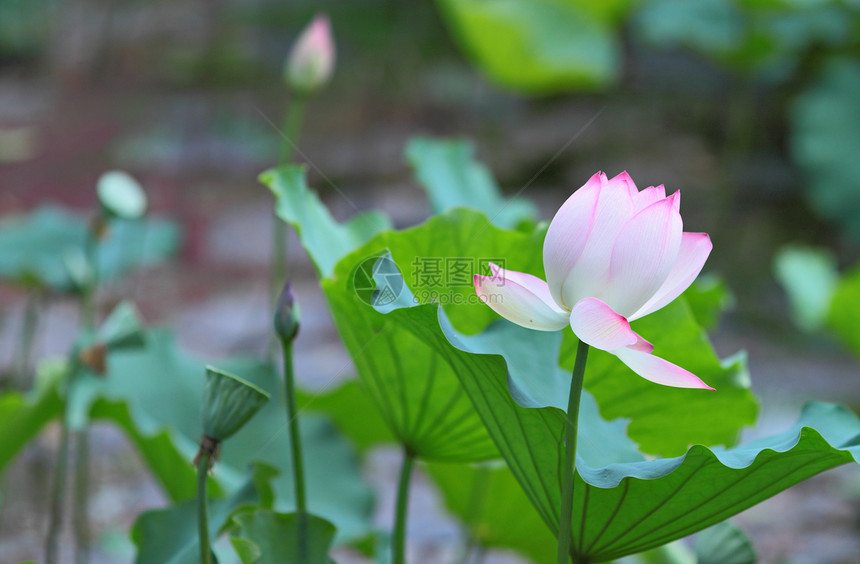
{"x": 170, "y": 536}
{"x": 264, "y": 537}
{"x": 538, "y": 46}
{"x": 163, "y": 388}
{"x": 35, "y": 245}
{"x": 825, "y": 140}
{"x": 623, "y": 503}
{"x": 665, "y": 420}
{"x": 409, "y": 384}
{"x": 448, "y": 171}
{"x": 724, "y": 544}
{"x": 708, "y": 297}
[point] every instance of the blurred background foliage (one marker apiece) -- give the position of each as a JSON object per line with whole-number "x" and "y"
{"x": 752, "y": 107}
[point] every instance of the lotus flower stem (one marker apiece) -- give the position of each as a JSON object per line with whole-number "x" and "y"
{"x": 81, "y": 491}
{"x": 58, "y": 495}
{"x": 203, "y": 463}
{"x": 569, "y": 470}
{"x": 398, "y": 543}
{"x": 292, "y": 130}
{"x": 296, "y": 449}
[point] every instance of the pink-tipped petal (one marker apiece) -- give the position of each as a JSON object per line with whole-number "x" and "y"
{"x": 521, "y": 298}
{"x": 659, "y": 371}
{"x": 625, "y": 179}
{"x": 587, "y": 276}
{"x": 648, "y": 196}
{"x": 643, "y": 256}
{"x": 596, "y": 324}
{"x": 676, "y": 200}
{"x": 694, "y": 251}
{"x": 568, "y": 232}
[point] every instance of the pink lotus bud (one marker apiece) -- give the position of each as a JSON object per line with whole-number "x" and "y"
{"x": 311, "y": 61}
{"x": 612, "y": 254}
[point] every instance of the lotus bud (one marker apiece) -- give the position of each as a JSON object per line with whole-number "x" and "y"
{"x": 311, "y": 61}
{"x": 121, "y": 196}
{"x": 228, "y": 403}
{"x": 287, "y": 317}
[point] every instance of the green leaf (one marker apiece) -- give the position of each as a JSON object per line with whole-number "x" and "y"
{"x": 121, "y": 195}
{"x": 328, "y": 240}
{"x": 724, "y": 544}
{"x": 22, "y": 416}
{"x": 448, "y": 171}
{"x": 492, "y": 506}
{"x": 34, "y": 246}
{"x": 809, "y": 277}
{"x": 537, "y": 46}
{"x": 170, "y": 536}
{"x": 122, "y": 328}
{"x": 139, "y": 379}
{"x": 266, "y": 537}
{"x": 664, "y": 420}
{"x": 622, "y": 504}
{"x": 825, "y": 139}
{"x": 845, "y": 309}
{"x": 708, "y": 298}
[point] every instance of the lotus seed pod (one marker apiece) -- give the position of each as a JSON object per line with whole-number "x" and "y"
{"x": 228, "y": 403}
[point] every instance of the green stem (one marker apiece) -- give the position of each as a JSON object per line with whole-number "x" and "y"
{"x": 81, "y": 493}
{"x": 58, "y": 495}
{"x": 398, "y": 543}
{"x": 202, "y": 509}
{"x": 570, "y": 436}
{"x": 28, "y": 334}
{"x": 296, "y": 449}
{"x": 291, "y": 131}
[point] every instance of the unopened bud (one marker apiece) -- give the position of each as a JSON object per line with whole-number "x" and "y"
{"x": 121, "y": 196}
{"x": 311, "y": 60}
{"x": 287, "y": 317}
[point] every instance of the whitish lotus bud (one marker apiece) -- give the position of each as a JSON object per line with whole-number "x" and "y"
{"x": 287, "y": 317}
{"x": 121, "y": 196}
{"x": 228, "y": 403}
{"x": 311, "y": 60}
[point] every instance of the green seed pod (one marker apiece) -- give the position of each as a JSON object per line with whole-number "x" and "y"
{"x": 228, "y": 403}
{"x": 287, "y": 316}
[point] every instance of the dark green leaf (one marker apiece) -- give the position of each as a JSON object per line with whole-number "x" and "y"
{"x": 624, "y": 504}
{"x": 170, "y": 536}
{"x": 266, "y": 537}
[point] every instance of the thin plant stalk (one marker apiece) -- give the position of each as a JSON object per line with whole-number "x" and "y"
{"x": 296, "y": 451}
{"x": 58, "y": 495}
{"x": 290, "y": 136}
{"x": 27, "y": 337}
{"x": 80, "y": 499}
{"x": 202, "y": 507}
{"x": 398, "y": 543}
{"x": 569, "y": 470}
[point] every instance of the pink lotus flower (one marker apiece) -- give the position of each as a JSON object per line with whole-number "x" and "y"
{"x": 612, "y": 254}
{"x": 311, "y": 61}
